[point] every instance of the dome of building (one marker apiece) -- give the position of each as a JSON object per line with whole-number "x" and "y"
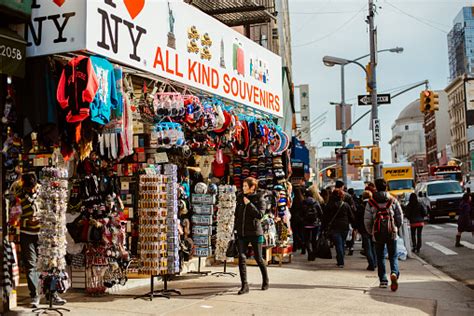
{"x": 411, "y": 112}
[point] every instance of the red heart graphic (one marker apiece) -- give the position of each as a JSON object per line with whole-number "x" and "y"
{"x": 59, "y": 2}
{"x": 134, "y": 7}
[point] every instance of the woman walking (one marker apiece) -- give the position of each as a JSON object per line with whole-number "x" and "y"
{"x": 367, "y": 242}
{"x": 464, "y": 219}
{"x": 415, "y": 212}
{"x": 248, "y": 213}
{"x": 337, "y": 215}
{"x": 312, "y": 214}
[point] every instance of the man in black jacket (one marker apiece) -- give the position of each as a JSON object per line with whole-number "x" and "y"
{"x": 348, "y": 198}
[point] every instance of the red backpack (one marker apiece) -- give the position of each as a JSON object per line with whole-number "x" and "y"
{"x": 384, "y": 224}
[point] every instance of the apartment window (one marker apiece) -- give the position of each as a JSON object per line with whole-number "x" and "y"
{"x": 406, "y": 127}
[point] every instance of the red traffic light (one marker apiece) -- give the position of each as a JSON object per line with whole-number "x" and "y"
{"x": 427, "y": 93}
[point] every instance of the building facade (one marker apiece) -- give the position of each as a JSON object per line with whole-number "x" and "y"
{"x": 461, "y": 44}
{"x": 437, "y": 135}
{"x": 460, "y": 94}
{"x": 408, "y": 137}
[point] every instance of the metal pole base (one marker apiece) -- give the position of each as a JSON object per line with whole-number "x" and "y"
{"x": 165, "y": 292}
{"x": 45, "y": 310}
{"x": 199, "y": 272}
{"x": 218, "y": 274}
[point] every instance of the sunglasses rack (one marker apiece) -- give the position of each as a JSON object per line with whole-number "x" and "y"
{"x": 225, "y": 224}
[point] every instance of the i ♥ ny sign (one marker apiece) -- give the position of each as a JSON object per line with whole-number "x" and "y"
{"x": 168, "y": 38}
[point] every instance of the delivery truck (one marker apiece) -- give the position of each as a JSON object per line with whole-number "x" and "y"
{"x": 400, "y": 178}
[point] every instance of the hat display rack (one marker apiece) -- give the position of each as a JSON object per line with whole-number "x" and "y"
{"x": 52, "y": 206}
{"x": 225, "y": 225}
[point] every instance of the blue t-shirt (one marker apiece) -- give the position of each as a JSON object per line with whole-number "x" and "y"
{"x": 118, "y": 80}
{"x": 106, "y": 97}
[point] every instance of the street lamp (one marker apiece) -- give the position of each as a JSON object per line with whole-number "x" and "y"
{"x": 330, "y": 61}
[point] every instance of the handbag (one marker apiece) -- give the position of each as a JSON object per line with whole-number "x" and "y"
{"x": 323, "y": 250}
{"x": 232, "y": 250}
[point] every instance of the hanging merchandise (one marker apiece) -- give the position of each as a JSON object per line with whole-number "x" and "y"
{"x": 170, "y": 172}
{"x": 153, "y": 213}
{"x": 53, "y": 201}
{"x": 202, "y": 219}
{"x": 77, "y": 79}
{"x": 225, "y": 220}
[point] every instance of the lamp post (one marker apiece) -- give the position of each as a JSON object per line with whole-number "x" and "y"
{"x": 330, "y": 61}
{"x": 317, "y": 158}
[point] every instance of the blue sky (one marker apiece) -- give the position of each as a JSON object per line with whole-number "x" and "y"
{"x": 338, "y": 28}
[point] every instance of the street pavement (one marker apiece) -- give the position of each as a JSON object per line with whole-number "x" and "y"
{"x": 297, "y": 288}
{"x": 438, "y": 249}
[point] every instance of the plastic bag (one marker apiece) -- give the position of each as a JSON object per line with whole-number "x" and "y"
{"x": 401, "y": 250}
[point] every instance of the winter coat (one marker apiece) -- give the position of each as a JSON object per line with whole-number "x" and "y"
{"x": 382, "y": 199}
{"x": 416, "y": 214}
{"x": 359, "y": 217}
{"x": 340, "y": 218}
{"x": 311, "y": 212}
{"x": 464, "y": 219}
{"x": 247, "y": 216}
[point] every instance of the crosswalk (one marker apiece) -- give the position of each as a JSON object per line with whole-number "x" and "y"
{"x": 449, "y": 228}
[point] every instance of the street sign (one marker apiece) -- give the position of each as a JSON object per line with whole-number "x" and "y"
{"x": 376, "y": 130}
{"x": 340, "y": 151}
{"x": 367, "y": 100}
{"x": 332, "y": 144}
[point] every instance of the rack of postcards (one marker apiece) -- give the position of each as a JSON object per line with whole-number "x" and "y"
{"x": 171, "y": 180}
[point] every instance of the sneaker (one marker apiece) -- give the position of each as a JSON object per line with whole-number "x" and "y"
{"x": 383, "y": 284}
{"x": 340, "y": 266}
{"x": 351, "y": 252}
{"x": 57, "y": 300}
{"x": 35, "y": 301}
{"x": 394, "y": 279}
{"x": 370, "y": 268}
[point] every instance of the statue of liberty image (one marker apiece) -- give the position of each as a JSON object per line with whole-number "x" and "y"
{"x": 171, "y": 37}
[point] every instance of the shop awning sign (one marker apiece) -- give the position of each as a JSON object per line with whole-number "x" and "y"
{"x": 168, "y": 38}
{"x": 12, "y": 54}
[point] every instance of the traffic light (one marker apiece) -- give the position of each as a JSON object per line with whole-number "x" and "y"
{"x": 331, "y": 173}
{"x": 375, "y": 154}
{"x": 368, "y": 79}
{"x": 429, "y": 101}
{"x": 355, "y": 156}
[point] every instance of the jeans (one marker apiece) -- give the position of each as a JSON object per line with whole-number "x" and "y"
{"x": 369, "y": 247}
{"x": 416, "y": 237}
{"x": 29, "y": 254}
{"x": 392, "y": 256}
{"x": 311, "y": 235}
{"x": 339, "y": 239}
{"x": 257, "y": 249}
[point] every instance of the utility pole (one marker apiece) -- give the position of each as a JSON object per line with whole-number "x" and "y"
{"x": 343, "y": 127}
{"x": 373, "y": 78}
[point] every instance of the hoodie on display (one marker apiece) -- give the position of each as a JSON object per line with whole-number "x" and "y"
{"x": 106, "y": 98}
{"x": 77, "y": 88}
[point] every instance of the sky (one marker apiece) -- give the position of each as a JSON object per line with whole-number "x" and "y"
{"x": 338, "y": 28}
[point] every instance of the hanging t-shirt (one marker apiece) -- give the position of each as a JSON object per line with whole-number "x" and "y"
{"x": 219, "y": 170}
{"x": 205, "y": 163}
{"x": 106, "y": 98}
{"x": 118, "y": 72}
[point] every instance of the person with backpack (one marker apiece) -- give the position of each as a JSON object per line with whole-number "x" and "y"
{"x": 415, "y": 212}
{"x": 337, "y": 216}
{"x": 464, "y": 218}
{"x": 382, "y": 219}
{"x": 311, "y": 216}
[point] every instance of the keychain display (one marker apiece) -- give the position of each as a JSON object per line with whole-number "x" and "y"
{"x": 153, "y": 227}
{"x": 225, "y": 220}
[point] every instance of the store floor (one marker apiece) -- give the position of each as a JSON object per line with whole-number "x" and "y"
{"x": 299, "y": 288}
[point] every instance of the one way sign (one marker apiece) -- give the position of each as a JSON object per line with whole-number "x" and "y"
{"x": 367, "y": 100}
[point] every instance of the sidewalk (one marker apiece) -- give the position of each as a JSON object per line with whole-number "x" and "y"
{"x": 299, "y": 288}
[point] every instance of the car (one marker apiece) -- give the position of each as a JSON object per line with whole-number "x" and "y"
{"x": 441, "y": 197}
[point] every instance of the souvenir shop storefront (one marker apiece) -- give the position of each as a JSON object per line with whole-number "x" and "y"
{"x": 140, "y": 134}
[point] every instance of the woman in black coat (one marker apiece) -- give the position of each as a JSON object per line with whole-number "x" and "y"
{"x": 248, "y": 214}
{"x": 311, "y": 221}
{"x": 415, "y": 212}
{"x": 338, "y": 214}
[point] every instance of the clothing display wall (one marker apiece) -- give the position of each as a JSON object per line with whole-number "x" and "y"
{"x": 153, "y": 213}
{"x": 225, "y": 219}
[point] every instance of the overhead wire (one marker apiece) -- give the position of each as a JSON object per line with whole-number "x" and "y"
{"x": 333, "y": 32}
{"x": 419, "y": 19}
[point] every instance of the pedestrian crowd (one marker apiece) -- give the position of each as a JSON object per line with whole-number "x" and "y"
{"x": 340, "y": 216}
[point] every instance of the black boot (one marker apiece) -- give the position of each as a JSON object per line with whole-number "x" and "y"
{"x": 244, "y": 289}
{"x": 458, "y": 241}
{"x": 263, "y": 270}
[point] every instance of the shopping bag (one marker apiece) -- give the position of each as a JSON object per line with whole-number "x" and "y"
{"x": 323, "y": 250}
{"x": 232, "y": 250}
